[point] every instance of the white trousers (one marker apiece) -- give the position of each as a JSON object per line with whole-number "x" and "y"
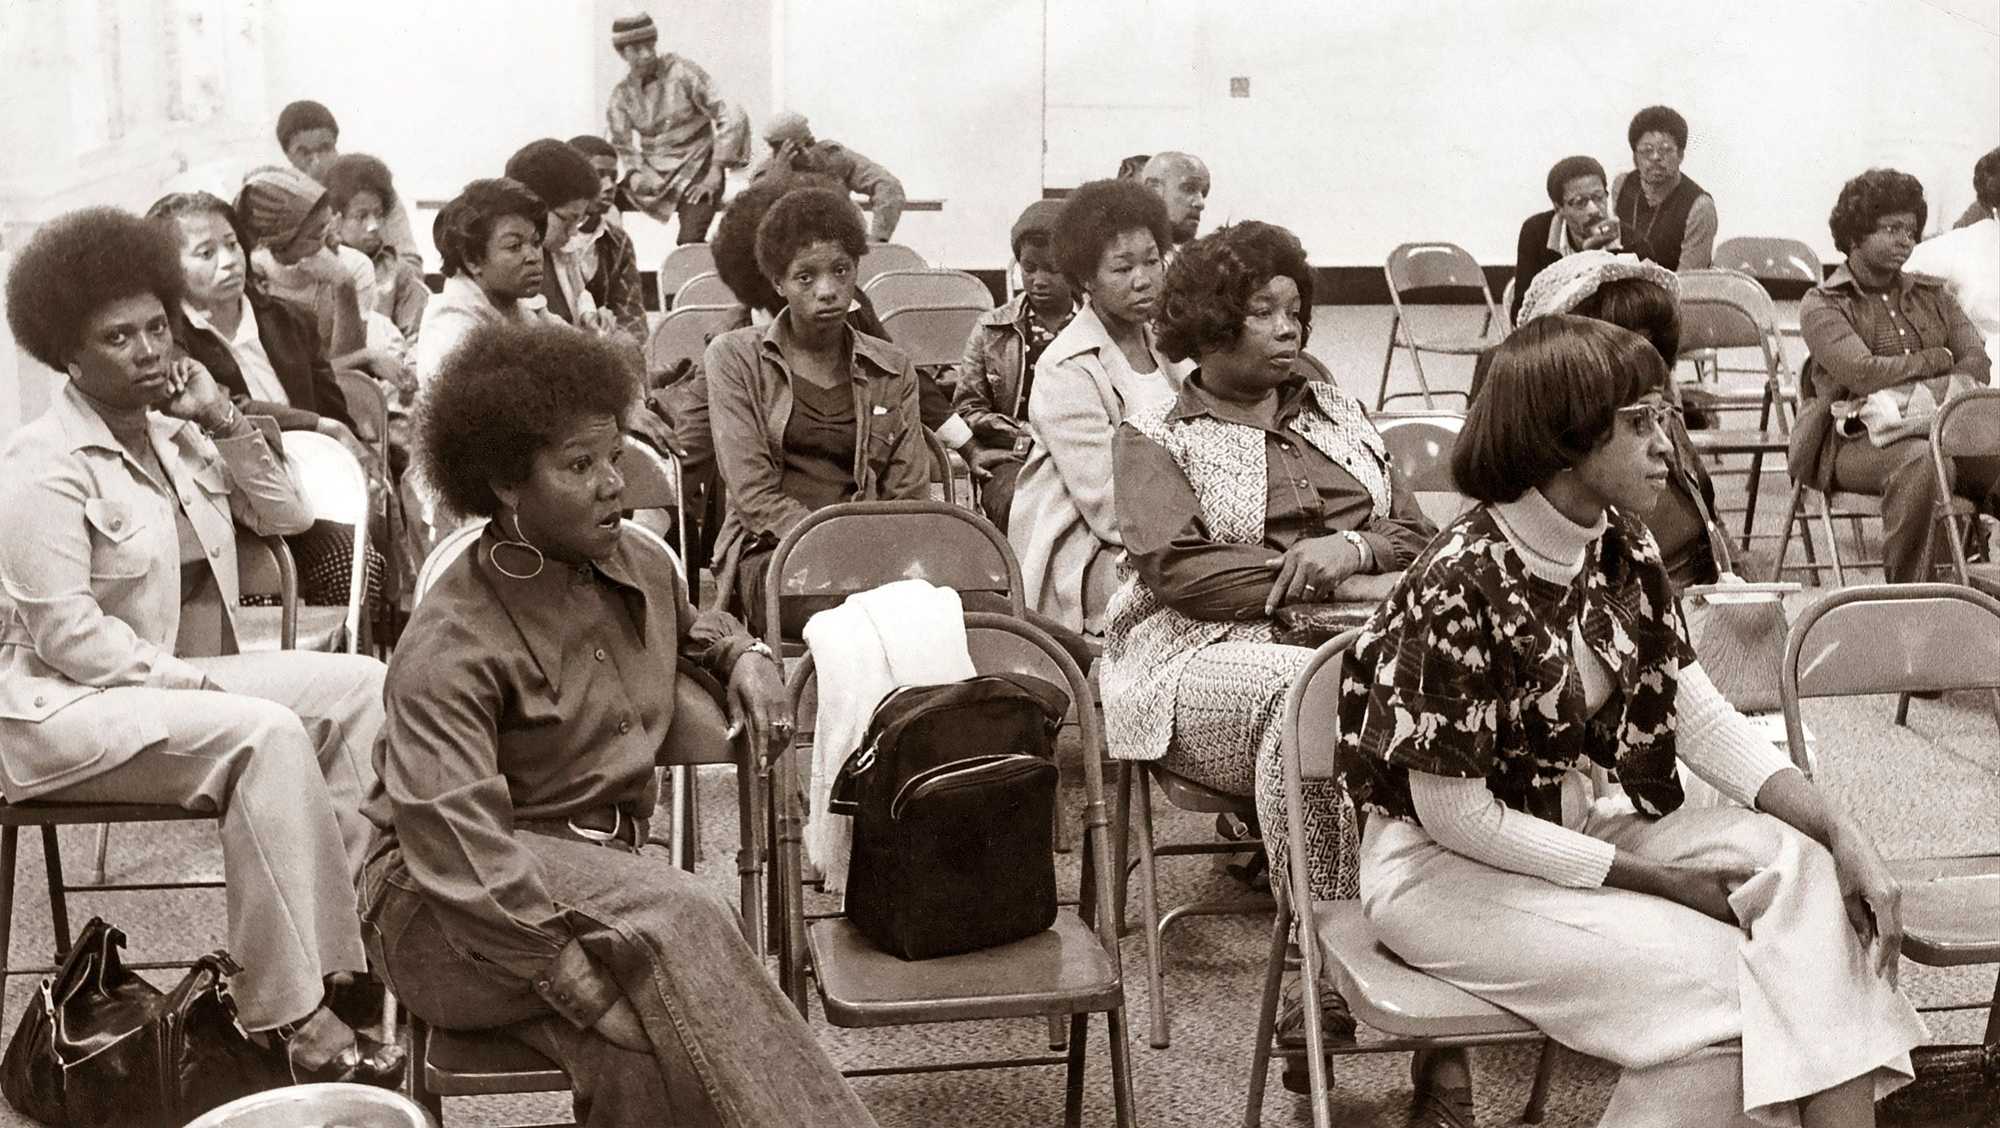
{"x": 1713, "y": 1024}
{"x": 285, "y": 755}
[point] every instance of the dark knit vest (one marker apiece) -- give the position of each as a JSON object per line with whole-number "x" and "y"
{"x": 1661, "y": 229}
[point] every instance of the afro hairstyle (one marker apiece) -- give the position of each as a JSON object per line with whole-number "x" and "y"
{"x": 1095, "y": 215}
{"x": 1864, "y": 200}
{"x": 351, "y": 173}
{"x": 1207, "y": 293}
{"x": 77, "y": 264}
{"x": 805, "y": 216}
{"x": 464, "y": 225}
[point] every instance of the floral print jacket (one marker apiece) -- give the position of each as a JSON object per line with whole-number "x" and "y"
{"x": 1466, "y": 671}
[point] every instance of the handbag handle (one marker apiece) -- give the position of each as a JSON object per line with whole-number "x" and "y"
{"x": 92, "y": 962}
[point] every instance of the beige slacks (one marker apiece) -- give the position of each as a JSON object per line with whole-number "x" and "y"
{"x": 285, "y": 756}
{"x": 1713, "y": 1024}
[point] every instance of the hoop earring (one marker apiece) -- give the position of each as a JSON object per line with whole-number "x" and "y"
{"x": 519, "y": 541}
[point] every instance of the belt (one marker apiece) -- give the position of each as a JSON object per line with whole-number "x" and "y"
{"x": 604, "y": 826}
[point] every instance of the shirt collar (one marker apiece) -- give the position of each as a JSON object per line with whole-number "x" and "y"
{"x": 246, "y": 322}
{"x": 880, "y": 355}
{"x": 1085, "y": 333}
{"x": 539, "y": 605}
{"x": 1559, "y": 234}
{"x": 1843, "y": 279}
{"x": 1195, "y": 401}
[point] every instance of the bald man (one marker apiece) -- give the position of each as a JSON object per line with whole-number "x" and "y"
{"x": 1181, "y": 179}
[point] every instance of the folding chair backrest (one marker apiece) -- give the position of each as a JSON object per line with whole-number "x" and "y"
{"x": 932, "y": 335}
{"x": 684, "y": 334}
{"x": 366, "y": 404}
{"x": 264, "y": 566}
{"x": 681, "y": 264}
{"x": 882, "y": 257}
{"x": 333, "y": 483}
{"x": 704, "y": 289}
{"x": 1312, "y": 711}
{"x": 652, "y": 479}
{"x": 454, "y": 544}
{"x": 859, "y": 545}
{"x": 1434, "y": 266}
{"x": 1770, "y": 259}
{"x": 1420, "y": 446}
{"x": 1888, "y": 638}
{"x": 1968, "y": 424}
{"x": 897, "y": 289}
{"x": 1732, "y": 286}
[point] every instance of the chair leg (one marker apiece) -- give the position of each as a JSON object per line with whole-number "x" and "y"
{"x": 694, "y": 816}
{"x": 677, "y": 831}
{"x": 1992, "y": 1013}
{"x": 1423, "y": 382}
{"x": 1079, "y": 1040}
{"x": 1825, "y": 507}
{"x": 1149, "y": 914}
{"x": 58, "y": 901}
{"x": 1902, "y": 710}
{"x": 103, "y": 849}
{"x": 10, "y": 842}
{"x": 1538, "y": 1095}
{"x": 1121, "y": 1069}
{"x": 1121, "y": 844}
{"x": 1267, "y": 1012}
{"x": 750, "y": 867}
{"x": 420, "y": 1052}
{"x": 1388, "y": 360}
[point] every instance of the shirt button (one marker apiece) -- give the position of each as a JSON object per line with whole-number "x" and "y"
{"x": 117, "y": 523}
{"x": 41, "y": 701}
{"x": 1303, "y": 483}
{"x": 541, "y": 984}
{"x": 624, "y": 726}
{"x": 215, "y": 551}
{"x": 1286, "y": 447}
{"x": 599, "y": 655}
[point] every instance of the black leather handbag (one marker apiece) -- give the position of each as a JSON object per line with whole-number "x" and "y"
{"x": 99, "y": 1045}
{"x": 953, "y": 796}
{"x": 1954, "y": 1085}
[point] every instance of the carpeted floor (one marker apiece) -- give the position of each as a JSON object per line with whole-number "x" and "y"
{"x": 1931, "y": 787}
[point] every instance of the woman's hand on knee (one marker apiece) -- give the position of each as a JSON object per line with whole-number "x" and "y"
{"x": 621, "y": 1027}
{"x": 1703, "y": 888}
{"x": 1873, "y": 899}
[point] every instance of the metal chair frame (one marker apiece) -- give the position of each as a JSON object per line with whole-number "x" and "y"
{"x": 1772, "y": 259}
{"x": 997, "y": 642}
{"x": 704, "y": 289}
{"x": 1726, "y": 309}
{"x": 1432, "y": 266}
{"x": 265, "y": 567}
{"x": 1902, "y": 641}
{"x": 892, "y": 290}
{"x": 1311, "y": 705}
{"x": 881, "y": 258}
{"x": 681, "y": 264}
{"x": 675, "y": 338}
{"x": 1967, "y": 424}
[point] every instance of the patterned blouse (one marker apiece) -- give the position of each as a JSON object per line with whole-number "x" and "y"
{"x": 1466, "y": 671}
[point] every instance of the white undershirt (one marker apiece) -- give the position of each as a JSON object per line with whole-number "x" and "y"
{"x": 260, "y": 378}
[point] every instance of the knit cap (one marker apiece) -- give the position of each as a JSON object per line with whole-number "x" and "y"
{"x": 1039, "y": 216}
{"x": 1564, "y": 284}
{"x": 275, "y": 203}
{"x": 627, "y": 30}
{"x": 787, "y": 126}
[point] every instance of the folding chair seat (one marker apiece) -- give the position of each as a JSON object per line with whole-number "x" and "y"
{"x": 1433, "y": 268}
{"x": 265, "y": 567}
{"x": 1069, "y": 970}
{"x": 474, "y": 1063}
{"x": 1907, "y": 638}
{"x": 1416, "y": 1011}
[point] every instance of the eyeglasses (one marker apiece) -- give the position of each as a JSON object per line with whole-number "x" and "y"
{"x": 1660, "y": 415}
{"x": 1598, "y": 197}
{"x": 1657, "y": 152}
{"x": 1893, "y": 228}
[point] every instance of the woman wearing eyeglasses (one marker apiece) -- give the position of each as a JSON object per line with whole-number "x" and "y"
{"x": 1737, "y": 962}
{"x": 1888, "y": 347}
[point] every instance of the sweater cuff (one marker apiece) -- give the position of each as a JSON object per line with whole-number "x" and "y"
{"x": 1719, "y": 743}
{"x": 572, "y": 985}
{"x": 1462, "y": 816}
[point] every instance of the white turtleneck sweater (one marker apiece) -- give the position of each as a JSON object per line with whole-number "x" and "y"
{"x": 1711, "y": 736}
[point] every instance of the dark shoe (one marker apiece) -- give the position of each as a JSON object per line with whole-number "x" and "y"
{"x": 1336, "y": 1022}
{"x": 1435, "y": 1105}
{"x": 366, "y": 1062}
{"x": 1255, "y": 874}
{"x": 357, "y": 1000}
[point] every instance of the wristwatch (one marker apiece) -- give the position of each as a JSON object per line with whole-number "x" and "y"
{"x": 758, "y": 647}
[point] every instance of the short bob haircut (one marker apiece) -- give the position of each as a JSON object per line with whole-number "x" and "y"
{"x": 735, "y": 242}
{"x": 1644, "y": 307}
{"x": 1568, "y": 169}
{"x": 1207, "y": 294}
{"x": 1095, "y": 215}
{"x": 506, "y": 392}
{"x": 1986, "y": 179}
{"x": 803, "y": 217}
{"x": 1658, "y": 119}
{"x": 1865, "y": 199}
{"x": 354, "y": 173}
{"x": 1552, "y": 392}
{"x": 77, "y": 264}
{"x": 465, "y": 224}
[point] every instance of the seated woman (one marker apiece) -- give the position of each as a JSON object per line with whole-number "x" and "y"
{"x": 116, "y": 541}
{"x": 265, "y": 354}
{"x": 1887, "y": 347}
{"x": 1645, "y": 298}
{"x": 1103, "y": 367}
{"x": 527, "y": 701}
{"x": 805, "y": 411}
{"x": 991, "y": 385}
{"x": 1737, "y": 961}
{"x": 1257, "y": 486}
{"x": 489, "y": 237}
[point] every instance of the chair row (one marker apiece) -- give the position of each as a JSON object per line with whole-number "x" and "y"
{"x": 688, "y": 276}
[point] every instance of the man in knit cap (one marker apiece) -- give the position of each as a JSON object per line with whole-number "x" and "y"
{"x": 793, "y": 148}
{"x": 310, "y": 138}
{"x": 673, "y": 133}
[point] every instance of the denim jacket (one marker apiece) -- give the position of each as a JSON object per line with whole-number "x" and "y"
{"x": 90, "y": 575}
{"x": 987, "y": 385}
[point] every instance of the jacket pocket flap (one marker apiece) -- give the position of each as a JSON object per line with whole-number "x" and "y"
{"x": 209, "y": 476}
{"x": 113, "y": 520}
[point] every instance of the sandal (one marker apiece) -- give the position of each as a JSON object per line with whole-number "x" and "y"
{"x": 365, "y": 1062}
{"x": 1336, "y": 1023}
{"x": 1438, "y": 1106}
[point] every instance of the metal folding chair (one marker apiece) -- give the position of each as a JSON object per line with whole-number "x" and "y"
{"x": 1417, "y": 1011}
{"x": 1433, "y": 267}
{"x": 681, "y": 264}
{"x": 1726, "y": 309}
{"x": 703, "y": 290}
{"x": 1905, "y": 638}
{"x": 1787, "y": 262}
{"x": 933, "y": 336}
{"x": 1968, "y": 425}
{"x": 882, "y": 257}
{"x": 683, "y": 335}
{"x": 1420, "y": 445}
{"x": 895, "y": 289}
{"x": 1070, "y": 970}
